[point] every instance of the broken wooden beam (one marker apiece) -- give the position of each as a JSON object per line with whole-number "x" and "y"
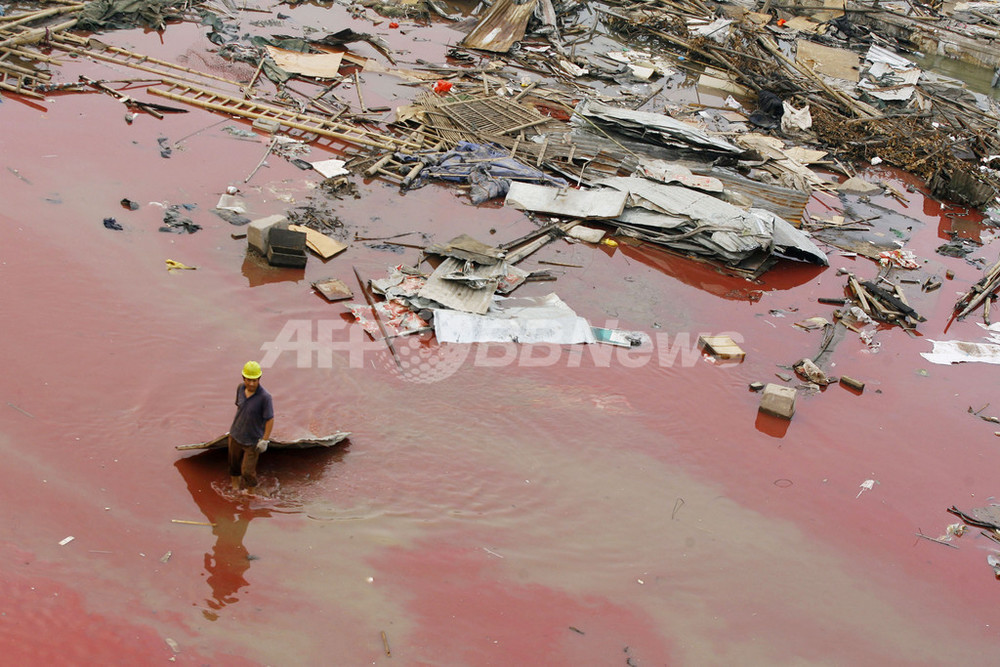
{"x": 983, "y": 289}
{"x": 860, "y": 293}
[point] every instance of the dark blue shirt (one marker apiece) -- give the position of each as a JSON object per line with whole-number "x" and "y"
{"x": 251, "y": 415}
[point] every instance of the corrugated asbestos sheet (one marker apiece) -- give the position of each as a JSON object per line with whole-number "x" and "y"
{"x": 713, "y": 227}
{"x": 591, "y": 204}
{"x": 502, "y": 25}
{"x": 463, "y": 294}
{"x": 654, "y": 128}
{"x": 545, "y": 319}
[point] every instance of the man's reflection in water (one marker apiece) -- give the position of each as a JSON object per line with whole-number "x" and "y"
{"x": 205, "y": 475}
{"x": 229, "y": 560}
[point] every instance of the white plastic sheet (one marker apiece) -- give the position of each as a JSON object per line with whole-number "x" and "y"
{"x": 545, "y": 319}
{"x": 957, "y": 351}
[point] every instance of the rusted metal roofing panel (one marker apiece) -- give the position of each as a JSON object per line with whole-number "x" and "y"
{"x": 502, "y": 25}
{"x": 785, "y": 202}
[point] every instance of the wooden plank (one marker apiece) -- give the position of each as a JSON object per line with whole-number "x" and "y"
{"x": 319, "y": 65}
{"x": 320, "y": 243}
{"x": 333, "y": 289}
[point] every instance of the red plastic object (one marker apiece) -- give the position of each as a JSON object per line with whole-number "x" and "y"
{"x": 442, "y": 86}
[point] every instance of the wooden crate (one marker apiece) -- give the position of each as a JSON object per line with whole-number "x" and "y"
{"x": 721, "y": 347}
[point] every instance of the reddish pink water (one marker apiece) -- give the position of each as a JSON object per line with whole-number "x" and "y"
{"x": 539, "y": 504}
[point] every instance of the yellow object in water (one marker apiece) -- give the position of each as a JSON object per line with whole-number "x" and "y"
{"x": 611, "y": 243}
{"x": 177, "y": 266}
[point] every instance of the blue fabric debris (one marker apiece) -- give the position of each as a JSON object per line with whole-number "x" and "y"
{"x": 487, "y": 169}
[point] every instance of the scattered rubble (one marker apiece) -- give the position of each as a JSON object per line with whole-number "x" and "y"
{"x": 584, "y": 140}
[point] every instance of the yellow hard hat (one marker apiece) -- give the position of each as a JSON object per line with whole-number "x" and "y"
{"x": 251, "y": 370}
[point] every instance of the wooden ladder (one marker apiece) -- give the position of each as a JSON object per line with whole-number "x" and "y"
{"x": 308, "y": 123}
{"x": 163, "y": 69}
{"x": 21, "y": 83}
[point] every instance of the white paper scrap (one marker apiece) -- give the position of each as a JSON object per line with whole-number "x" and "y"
{"x": 330, "y": 168}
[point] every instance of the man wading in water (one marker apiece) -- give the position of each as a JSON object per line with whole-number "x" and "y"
{"x": 251, "y": 430}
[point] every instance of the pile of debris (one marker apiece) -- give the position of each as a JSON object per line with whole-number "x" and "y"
{"x": 865, "y": 101}
{"x": 683, "y": 219}
{"x": 722, "y": 185}
{"x": 284, "y": 244}
{"x": 464, "y": 300}
{"x": 818, "y": 79}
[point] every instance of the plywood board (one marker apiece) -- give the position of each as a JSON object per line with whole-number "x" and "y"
{"x": 319, "y": 65}
{"x": 320, "y": 243}
{"x": 838, "y": 63}
{"x": 333, "y": 289}
{"x": 801, "y": 24}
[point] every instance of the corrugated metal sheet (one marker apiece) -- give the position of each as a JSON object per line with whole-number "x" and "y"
{"x": 784, "y": 202}
{"x": 654, "y": 127}
{"x": 459, "y": 294}
{"x": 711, "y": 226}
{"x": 623, "y": 156}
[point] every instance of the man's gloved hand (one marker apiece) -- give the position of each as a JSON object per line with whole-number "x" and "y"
{"x": 262, "y": 445}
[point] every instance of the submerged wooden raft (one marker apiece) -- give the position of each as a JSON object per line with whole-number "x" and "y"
{"x": 301, "y": 443}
